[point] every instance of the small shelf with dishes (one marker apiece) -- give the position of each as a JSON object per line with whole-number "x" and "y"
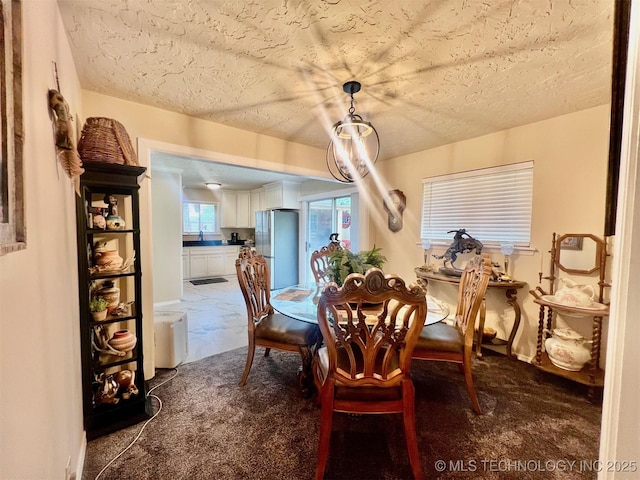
{"x": 560, "y": 350}
{"x": 110, "y": 298}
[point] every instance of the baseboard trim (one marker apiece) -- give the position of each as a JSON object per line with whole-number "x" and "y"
{"x": 164, "y": 304}
{"x": 77, "y": 475}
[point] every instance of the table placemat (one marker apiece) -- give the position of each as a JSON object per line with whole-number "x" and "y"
{"x": 294, "y": 295}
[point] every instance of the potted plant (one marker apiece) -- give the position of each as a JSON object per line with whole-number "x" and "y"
{"x": 343, "y": 262}
{"x": 98, "y": 308}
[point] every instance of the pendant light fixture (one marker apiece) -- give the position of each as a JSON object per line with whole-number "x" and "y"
{"x": 354, "y": 145}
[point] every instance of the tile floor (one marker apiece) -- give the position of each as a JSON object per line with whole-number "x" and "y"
{"x": 216, "y": 318}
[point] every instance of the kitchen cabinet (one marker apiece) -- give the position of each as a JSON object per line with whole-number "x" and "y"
{"x": 185, "y": 264}
{"x": 235, "y": 209}
{"x": 114, "y": 392}
{"x": 281, "y": 195}
{"x": 257, "y": 205}
{"x": 243, "y": 210}
{"x": 198, "y": 266}
{"x": 211, "y": 261}
{"x": 230, "y": 263}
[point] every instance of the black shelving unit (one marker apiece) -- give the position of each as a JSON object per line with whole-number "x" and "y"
{"x": 113, "y": 385}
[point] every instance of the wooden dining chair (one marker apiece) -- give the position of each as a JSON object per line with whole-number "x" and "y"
{"x": 454, "y": 343}
{"x": 268, "y": 328}
{"x": 320, "y": 261}
{"x": 364, "y": 366}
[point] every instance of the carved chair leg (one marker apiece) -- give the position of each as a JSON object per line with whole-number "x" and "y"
{"x": 468, "y": 378}
{"x": 326, "y": 419}
{"x": 409, "y": 420}
{"x": 266, "y": 351}
{"x": 250, "y": 351}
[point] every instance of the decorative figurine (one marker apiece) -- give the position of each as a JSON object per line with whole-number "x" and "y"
{"x": 114, "y": 221}
{"x": 462, "y": 243}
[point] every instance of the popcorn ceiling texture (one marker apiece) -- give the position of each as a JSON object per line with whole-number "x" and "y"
{"x": 432, "y": 72}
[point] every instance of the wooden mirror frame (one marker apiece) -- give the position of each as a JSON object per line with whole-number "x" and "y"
{"x": 598, "y": 260}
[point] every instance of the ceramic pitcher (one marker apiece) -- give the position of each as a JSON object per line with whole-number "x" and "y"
{"x": 575, "y": 295}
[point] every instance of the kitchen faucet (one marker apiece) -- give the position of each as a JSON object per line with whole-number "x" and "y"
{"x": 201, "y": 236}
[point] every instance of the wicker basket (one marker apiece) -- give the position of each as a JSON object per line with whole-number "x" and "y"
{"x": 104, "y": 140}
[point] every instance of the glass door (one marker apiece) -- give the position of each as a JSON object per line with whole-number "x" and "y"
{"x": 327, "y": 216}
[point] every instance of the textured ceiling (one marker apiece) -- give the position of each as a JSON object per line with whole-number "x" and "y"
{"x": 432, "y": 72}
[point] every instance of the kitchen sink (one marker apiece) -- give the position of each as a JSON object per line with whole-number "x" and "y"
{"x": 201, "y": 243}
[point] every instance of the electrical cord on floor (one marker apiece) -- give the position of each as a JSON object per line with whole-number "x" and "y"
{"x": 143, "y": 426}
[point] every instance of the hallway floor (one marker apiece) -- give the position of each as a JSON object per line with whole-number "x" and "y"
{"x": 216, "y": 317}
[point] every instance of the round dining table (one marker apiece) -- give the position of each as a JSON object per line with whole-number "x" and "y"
{"x": 301, "y": 302}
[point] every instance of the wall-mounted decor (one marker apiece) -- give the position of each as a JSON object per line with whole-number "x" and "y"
{"x": 65, "y": 146}
{"x": 12, "y": 221}
{"x": 394, "y": 205}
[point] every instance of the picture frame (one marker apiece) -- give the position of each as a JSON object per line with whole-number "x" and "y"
{"x": 12, "y": 219}
{"x": 572, "y": 243}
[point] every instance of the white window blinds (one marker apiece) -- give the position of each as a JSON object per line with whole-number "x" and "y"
{"x": 492, "y": 204}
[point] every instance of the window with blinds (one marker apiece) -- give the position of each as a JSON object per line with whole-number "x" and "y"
{"x": 492, "y": 204}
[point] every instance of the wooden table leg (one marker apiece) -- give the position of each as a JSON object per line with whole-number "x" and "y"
{"x": 512, "y": 300}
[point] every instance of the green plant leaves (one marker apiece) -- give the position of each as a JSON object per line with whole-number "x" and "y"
{"x": 344, "y": 262}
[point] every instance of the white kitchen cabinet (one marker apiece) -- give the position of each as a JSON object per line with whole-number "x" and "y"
{"x": 230, "y": 263}
{"x": 228, "y": 217}
{"x": 281, "y": 195}
{"x": 185, "y": 264}
{"x": 215, "y": 264}
{"x": 235, "y": 209}
{"x": 257, "y": 205}
{"x": 243, "y": 210}
{"x": 197, "y": 265}
{"x": 210, "y": 261}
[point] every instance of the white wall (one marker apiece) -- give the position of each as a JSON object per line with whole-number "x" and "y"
{"x": 166, "y": 205}
{"x": 40, "y": 381}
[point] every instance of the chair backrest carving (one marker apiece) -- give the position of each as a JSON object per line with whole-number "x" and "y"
{"x": 473, "y": 286}
{"x": 377, "y": 346}
{"x": 320, "y": 261}
{"x": 255, "y": 282}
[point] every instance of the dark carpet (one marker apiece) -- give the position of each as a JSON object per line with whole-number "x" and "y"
{"x": 206, "y": 281}
{"x": 534, "y": 426}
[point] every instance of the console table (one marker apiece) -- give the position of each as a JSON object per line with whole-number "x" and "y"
{"x": 510, "y": 289}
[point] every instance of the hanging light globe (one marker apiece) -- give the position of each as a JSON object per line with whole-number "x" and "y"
{"x": 354, "y": 145}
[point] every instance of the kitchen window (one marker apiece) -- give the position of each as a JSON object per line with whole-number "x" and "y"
{"x": 200, "y": 217}
{"x": 493, "y": 205}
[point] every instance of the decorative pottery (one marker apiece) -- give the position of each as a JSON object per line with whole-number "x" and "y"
{"x": 489, "y": 334}
{"x": 111, "y": 294}
{"x": 107, "y": 390}
{"x": 108, "y": 259}
{"x": 115, "y": 222}
{"x": 99, "y": 316}
{"x": 126, "y": 381}
{"x": 575, "y": 295}
{"x": 123, "y": 340}
{"x": 567, "y": 349}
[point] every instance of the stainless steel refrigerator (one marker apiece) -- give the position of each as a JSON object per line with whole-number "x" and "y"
{"x": 277, "y": 241}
